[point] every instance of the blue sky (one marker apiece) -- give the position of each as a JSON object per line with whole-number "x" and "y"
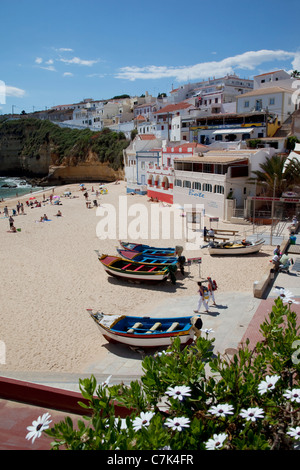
{"x": 60, "y": 52}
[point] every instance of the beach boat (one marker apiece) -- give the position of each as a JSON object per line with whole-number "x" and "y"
{"x": 235, "y": 247}
{"x": 147, "y": 249}
{"x": 134, "y": 270}
{"x": 146, "y": 332}
{"x": 145, "y": 258}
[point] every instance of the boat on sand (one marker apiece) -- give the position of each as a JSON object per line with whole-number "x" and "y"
{"x": 136, "y": 271}
{"x": 241, "y": 247}
{"x": 151, "y": 250}
{"x": 144, "y": 258}
{"x": 147, "y": 332}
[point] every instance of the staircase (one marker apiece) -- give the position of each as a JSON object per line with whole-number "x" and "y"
{"x": 285, "y": 129}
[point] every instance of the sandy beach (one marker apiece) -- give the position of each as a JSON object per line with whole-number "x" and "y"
{"x": 50, "y": 275}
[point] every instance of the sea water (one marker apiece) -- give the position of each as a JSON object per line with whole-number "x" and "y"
{"x": 20, "y": 188}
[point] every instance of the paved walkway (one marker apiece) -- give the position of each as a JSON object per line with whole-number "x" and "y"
{"x": 236, "y": 317}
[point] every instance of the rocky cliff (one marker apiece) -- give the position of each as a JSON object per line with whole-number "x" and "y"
{"x": 42, "y": 150}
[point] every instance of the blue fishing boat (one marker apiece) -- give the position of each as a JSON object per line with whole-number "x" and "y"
{"x": 147, "y": 332}
{"x": 151, "y": 250}
{"x": 145, "y": 258}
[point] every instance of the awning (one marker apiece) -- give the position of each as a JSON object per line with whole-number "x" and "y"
{"x": 240, "y": 130}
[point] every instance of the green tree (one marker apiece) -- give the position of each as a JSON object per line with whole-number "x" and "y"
{"x": 276, "y": 174}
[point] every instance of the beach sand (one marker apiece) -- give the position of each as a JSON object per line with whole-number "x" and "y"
{"x": 50, "y": 275}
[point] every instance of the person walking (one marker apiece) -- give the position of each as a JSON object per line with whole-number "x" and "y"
{"x": 211, "y": 288}
{"x": 203, "y": 297}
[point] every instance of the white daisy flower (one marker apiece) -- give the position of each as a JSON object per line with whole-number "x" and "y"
{"x": 221, "y": 410}
{"x": 294, "y": 432}
{"x": 177, "y": 424}
{"x": 143, "y": 420}
{"x": 251, "y": 414}
{"x": 293, "y": 395}
{"x": 123, "y": 423}
{"x": 268, "y": 384}
{"x": 38, "y": 426}
{"x": 207, "y": 331}
{"x": 216, "y": 442}
{"x": 179, "y": 392}
{"x": 106, "y": 382}
{"x": 285, "y": 295}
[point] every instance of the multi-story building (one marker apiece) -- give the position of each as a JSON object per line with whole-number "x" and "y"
{"x": 275, "y": 101}
{"x": 160, "y": 175}
{"x": 143, "y": 151}
{"x": 231, "y": 127}
{"x": 217, "y": 179}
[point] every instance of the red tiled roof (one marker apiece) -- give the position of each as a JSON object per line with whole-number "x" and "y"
{"x": 184, "y": 147}
{"x": 140, "y": 118}
{"x": 147, "y": 136}
{"x": 268, "y": 73}
{"x": 171, "y": 108}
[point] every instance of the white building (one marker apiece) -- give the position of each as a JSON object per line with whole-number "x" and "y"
{"x": 275, "y": 101}
{"x": 217, "y": 179}
{"x": 143, "y": 151}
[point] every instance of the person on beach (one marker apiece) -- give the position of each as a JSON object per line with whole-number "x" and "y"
{"x": 203, "y": 297}
{"x": 11, "y": 222}
{"x": 211, "y": 288}
{"x": 6, "y": 211}
{"x": 59, "y": 214}
{"x": 277, "y": 251}
{"x": 211, "y": 234}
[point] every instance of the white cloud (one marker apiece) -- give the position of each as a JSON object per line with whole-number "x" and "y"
{"x": 64, "y": 49}
{"x": 296, "y": 62}
{"x": 67, "y": 74}
{"x": 14, "y": 91}
{"x": 78, "y": 61}
{"x": 247, "y": 61}
{"x": 49, "y": 62}
{"x": 51, "y": 68}
{"x": 38, "y": 60}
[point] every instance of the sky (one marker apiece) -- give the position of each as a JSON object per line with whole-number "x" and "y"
{"x": 61, "y": 52}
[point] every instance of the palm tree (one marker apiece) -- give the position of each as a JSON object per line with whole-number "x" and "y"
{"x": 276, "y": 175}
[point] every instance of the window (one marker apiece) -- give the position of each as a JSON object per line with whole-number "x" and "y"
{"x": 178, "y": 183}
{"x": 207, "y": 187}
{"x": 272, "y": 101}
{"x": 142, "y": 165}
{"x": 197, "y": 185}
{"x": 187, "y": 184}
{"x": 246, "y": 104}
{"x": 218, "y": 189}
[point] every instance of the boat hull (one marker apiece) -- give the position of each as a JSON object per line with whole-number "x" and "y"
{"x": 145, "y": 258}
{"x": 238, "y": 250}
{"x": 136, "y": 277}
{"x": 135, "y": 270}
{"x": 149, "y": 250}
{"x": 148, "y": 343}
{"x": 151, "y": 333}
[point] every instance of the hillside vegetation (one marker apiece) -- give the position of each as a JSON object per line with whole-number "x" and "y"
{"x": 65, "y": 143}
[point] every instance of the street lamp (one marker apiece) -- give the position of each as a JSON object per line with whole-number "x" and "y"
{"x": 272, "y": 211}
{"x": 254, "y": 200}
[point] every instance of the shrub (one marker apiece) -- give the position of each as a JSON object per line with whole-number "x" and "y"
{"x": 191, "y": 399}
